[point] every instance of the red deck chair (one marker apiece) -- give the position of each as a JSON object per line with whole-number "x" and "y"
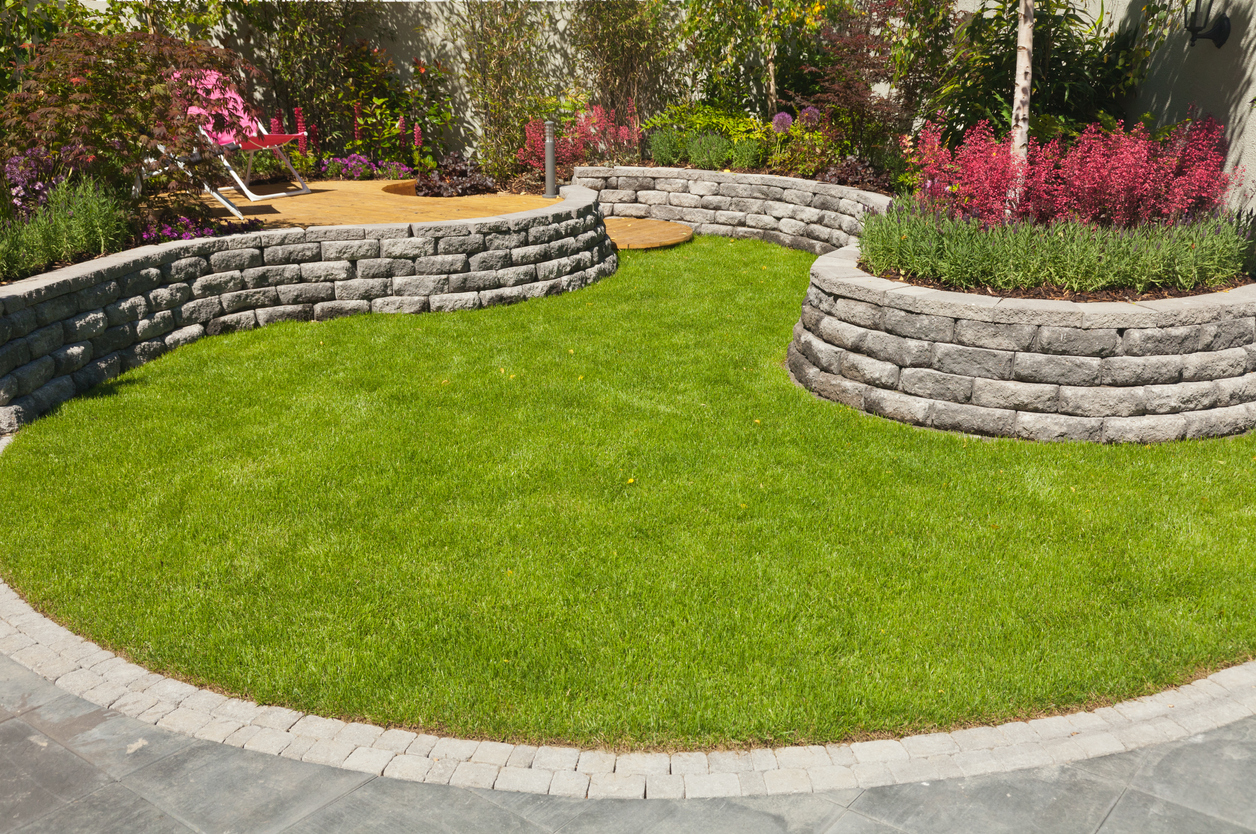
{"x": 243, "y": 132}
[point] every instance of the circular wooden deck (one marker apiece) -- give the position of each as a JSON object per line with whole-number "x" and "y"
{"x": 640, "y": 233}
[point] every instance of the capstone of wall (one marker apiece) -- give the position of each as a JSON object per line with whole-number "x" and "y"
{"x": 1106, "y": 372}
{"x": 67, "y": 331}
{"x": 801, "y": 214}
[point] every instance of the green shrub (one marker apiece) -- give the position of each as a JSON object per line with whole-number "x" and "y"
{"x": 709, "y": 151}
{"x": 965, "y": 253}
{"x": 748, "y": 153}
{"x": 81, "y": 219}
{"x": 667, "y": 147}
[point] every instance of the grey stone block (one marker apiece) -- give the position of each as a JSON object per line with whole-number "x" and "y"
{"x": 383, "y": 267}
{"x": 935, "y": 385}
{"x": 363, "y": 289}
{"x": 199, "y": 311}
{"x": 145, "y": 280}
{"x": 516, "y": 275}
{"x": 217, "y": 284}
{"x": 550, "y": 270}
{"x": 182, "y": 271}
{"x": 821, "y": 354}
{"x": 421, "y": 285}
{"x": 285, "y": 312}
{"x": 492, "y": 260}
{"x": 231, "y": 324}
{"x": 1074, "y": 341}
{"x": 441, "y": 265}
{"x": 115, "y": 338}
{"x": 1057, "y": 427}
{"x": 55, "y": 309}
{"x": 306, "y": 293}
{"x": 793, "y": 227}
{"x": 704, "y": 188}
{"x": 409, "y": 247}
{"x": 399, "y": 304}
{"x": 21, "y": 323}
{"x": 837, "y": 332}
{"x": 729, "y": 219}
{"x": 97, "y": 371}
{"x": 507, "y": 241}
{"x": 92, "y": 298}
{"x": 545, "y": 234}
{"x": 321, "y": 233}
{"x": 616, "y": 195}
{"x": 142, "y": 353}
{"x": 778, "y": 209}
{"x": 298, "y": 253}
{"x": 972, "y": 419}
{"x": 184, "y": 336}
{"x": 350, "y": 250}
{"x": 14, "y": 354}
{"x": 327, "y": 271}
{"x": 34, "y": 374}
{"x": 169, "y": 297}
{"x": 757, "y": 192}
{"x": 1147, "y": 429}
{"x": 860, "y": 313}
{"x": 270, "y": 276}
{"x": 235, "y": 260}
{"x": 46, "y": 339}
{"x": 451, "y": 302}
{"x": 386, "y": 231}
{"x": 906, "y": 353}
{"x": 1102, "y": 401}
{"x": 250, "y": 299}
{"x": 1162, "y": 340}
{"x": 762, "y": 221}
{"x": 1141, "y": 370}
{"x": 1214, "y": 364}
{"x": 1233, "y": 333}
{"x": 895, "y": 405}
{"x": 914, "y": 326}
{"x": 159, "y": 324}
{"x": 1183, "y": 396}
{"x": 970, "y": 361}
{"x": 71, "y": 357}
{"x": 870, "y": 371}
{"x": 1015, "y": 396}
{"x": 1235, "y": 390}
{"x": 526, "y": 255}
{"x": 461, "y": 245}
{"x": 1251, "y": 357}
{"x": 127, "y": 309}
{"x": 49, "y": 396}
{"x": 693, "y": 215}
{"x": 746, "y": 207}
{"x": 719, "y": 203}
{"x": 1058, "y": 370}
{"x": 684, "y": 200}
{"x": 85, "y": 326}
{"x": 471, "y": 282}
{"x": 339, "y": 309}
{"x": 1219, "y": 422}
{"x": 1038, "y": 311}
{"x": 652, "y": 198}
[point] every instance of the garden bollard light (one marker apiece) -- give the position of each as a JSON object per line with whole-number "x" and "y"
{"x": 549, "y": 160}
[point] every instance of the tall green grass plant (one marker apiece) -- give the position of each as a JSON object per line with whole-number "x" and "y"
{"x": 81, "y": 219}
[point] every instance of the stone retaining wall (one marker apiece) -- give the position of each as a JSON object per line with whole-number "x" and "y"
{"x": 1041, "y": 370}
{"x": 66, "y": 331}
{"x": 801, "y": 214}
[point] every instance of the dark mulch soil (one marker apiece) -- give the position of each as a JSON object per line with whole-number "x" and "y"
{"x": 1054, "y": 293}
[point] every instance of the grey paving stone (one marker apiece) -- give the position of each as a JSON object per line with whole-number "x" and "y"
{"x": 38, "y": 775}
{"x": 22, "y": 689}
{"x": 214, "y": 787}
{"x": 113, "y": 808}
{"x": 1212, "y": 774}
{"x": 1139, "y": 813}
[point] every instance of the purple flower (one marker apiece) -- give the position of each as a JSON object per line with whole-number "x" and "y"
{"x": 810, "y": 117}
{"x": 781, "y": 122}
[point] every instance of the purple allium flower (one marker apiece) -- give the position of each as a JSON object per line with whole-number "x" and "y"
{"x": 810, "y": 117}
{"x": 781, "y": 122}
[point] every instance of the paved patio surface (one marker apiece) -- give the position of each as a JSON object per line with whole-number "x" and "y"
{"x": 67, "y": 765}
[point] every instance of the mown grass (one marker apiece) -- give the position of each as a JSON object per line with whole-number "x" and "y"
{"x": 610, "y": 518}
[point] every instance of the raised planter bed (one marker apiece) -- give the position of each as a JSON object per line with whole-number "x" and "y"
{"x": 67, "y": 331}
{"x": 1041, "y": 370}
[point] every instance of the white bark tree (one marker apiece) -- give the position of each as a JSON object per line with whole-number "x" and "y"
{"x": 1024, "y": 79}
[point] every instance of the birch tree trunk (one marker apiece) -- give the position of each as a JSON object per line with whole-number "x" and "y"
{"x": 1024, "y": 79}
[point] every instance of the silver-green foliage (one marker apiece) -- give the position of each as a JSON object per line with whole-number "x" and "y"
{"x": 81, "y": 219}
{"x": 709, "y": 151}
{"x": 965, "y": 253}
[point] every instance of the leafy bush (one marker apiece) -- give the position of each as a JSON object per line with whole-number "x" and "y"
{"x": 696, "y": 119}
{"x": 568, "y": 145}
{"x": 628, "y": 49}
{"x": 748, "y": 153}
{"x": 1121, "y": 178}
{"x": 966, "y": 252}
{"x": 667, "y": 147}
{"x": 80, "y": 218}
{"x": 456, "y": 177}
{"x": 121, "y": 104}
{"x": 352, "y": 167}
{"x": 188, "y": 228}
{"x": 709, "y": 151}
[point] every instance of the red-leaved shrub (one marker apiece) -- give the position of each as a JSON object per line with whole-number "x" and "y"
{"x": 594, "y": 133}
{"x": 1119, "y": 178}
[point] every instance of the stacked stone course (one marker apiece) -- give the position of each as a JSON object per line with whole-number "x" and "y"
{"x": 1040, "y": 370}
{"x": 801, "y": 214}
{"x": 64, "y": 332}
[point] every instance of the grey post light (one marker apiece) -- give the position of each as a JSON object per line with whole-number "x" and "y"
{"x": 550, "y": 178}
{"x": 1197, "y": 19}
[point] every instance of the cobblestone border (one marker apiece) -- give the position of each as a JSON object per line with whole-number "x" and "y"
{"x": 67, "y": 331}
{"x": 1107, "y": 372}
{"x": 82, "y": 668}
{"x": 801, "y": 214}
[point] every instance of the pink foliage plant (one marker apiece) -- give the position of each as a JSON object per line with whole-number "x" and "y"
{"x": 1119, "y": 178}
{"x": 595, "y": 133}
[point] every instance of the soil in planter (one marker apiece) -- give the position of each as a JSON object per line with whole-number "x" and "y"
{"x": 1052, "y": 293}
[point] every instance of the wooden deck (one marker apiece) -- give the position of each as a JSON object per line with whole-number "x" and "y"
{"x": 337, "y": 202}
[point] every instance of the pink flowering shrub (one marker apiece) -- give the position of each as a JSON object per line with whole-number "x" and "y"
{"x": 1122, "y": 178}
{"x": 593, "y": 134}
{"x": 568, "y": 146}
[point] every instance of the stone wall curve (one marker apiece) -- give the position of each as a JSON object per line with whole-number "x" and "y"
{"x": 67, "y": 331}
{"x": 1142, "y": 372}
{"x": 801, "y": 214}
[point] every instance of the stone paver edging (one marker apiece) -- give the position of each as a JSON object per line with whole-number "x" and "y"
{"x": 82, "y": 668}
{"x": 1110, "y": 372}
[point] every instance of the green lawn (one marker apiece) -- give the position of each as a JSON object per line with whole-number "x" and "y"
{"x": 610, "y": 517}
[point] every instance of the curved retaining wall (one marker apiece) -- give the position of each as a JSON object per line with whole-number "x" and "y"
{"x": 1041, "y": 370}
{"x": 67, "y": 331}
{"x": 801, "y": 214}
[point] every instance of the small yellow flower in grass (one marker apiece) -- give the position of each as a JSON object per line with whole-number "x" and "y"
{"x": 503, "y": 370}
{"x": 743, "y": 506}
{"x": 582, "y": 377}
{"x": 757, "y": 423}
{"x": 632, "y": 480}
{"x": 444, "y": 382}
{"x": 569, "y": 350}
{"x": 512, "y": 376}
